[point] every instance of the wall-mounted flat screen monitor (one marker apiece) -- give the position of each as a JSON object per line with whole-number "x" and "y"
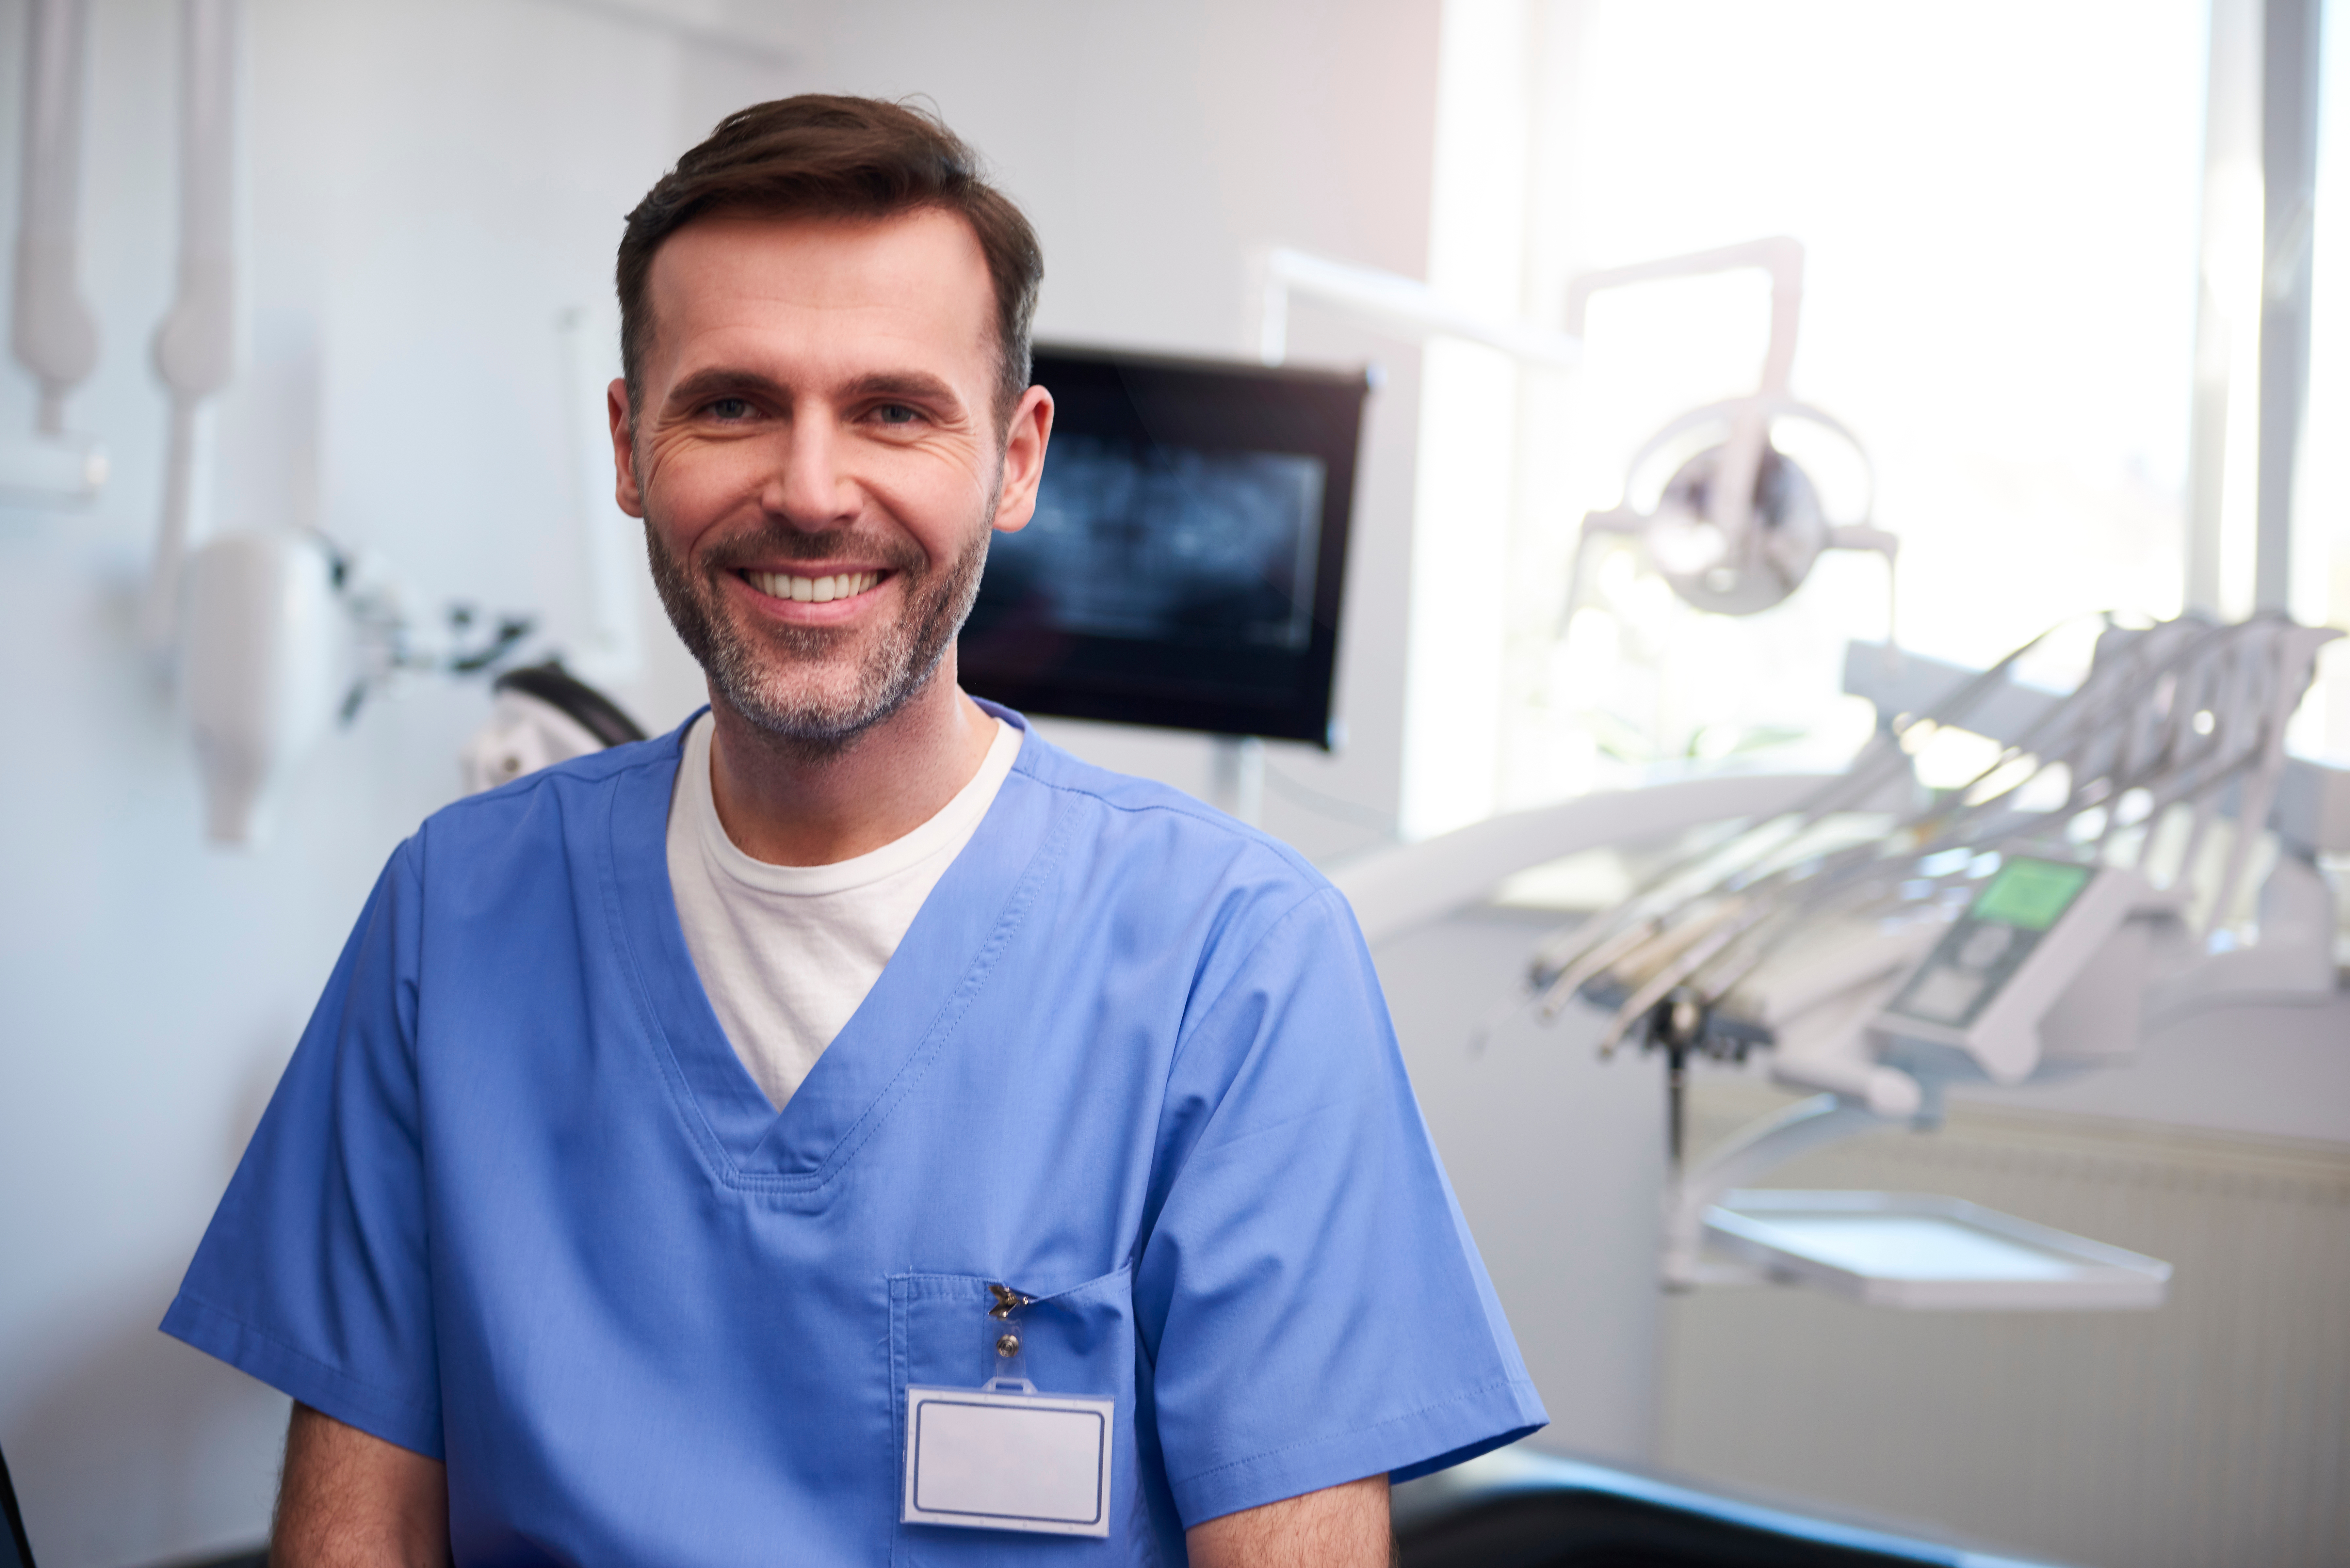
{"x": 1186, "y": 561}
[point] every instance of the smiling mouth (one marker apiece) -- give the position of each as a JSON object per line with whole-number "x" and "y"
{"x": 813, "y": 590}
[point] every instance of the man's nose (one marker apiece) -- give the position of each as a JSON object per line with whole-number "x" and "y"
{"x": 805, "y": 484}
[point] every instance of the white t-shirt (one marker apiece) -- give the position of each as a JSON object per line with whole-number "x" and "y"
{"x": 787, "y": 953}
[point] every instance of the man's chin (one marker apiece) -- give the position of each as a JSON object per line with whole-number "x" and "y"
{"x": 821, "y": 714}
{"x": 819, "y": 689}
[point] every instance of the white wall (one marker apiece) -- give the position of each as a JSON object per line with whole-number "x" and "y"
{"x": 431, "y": 184}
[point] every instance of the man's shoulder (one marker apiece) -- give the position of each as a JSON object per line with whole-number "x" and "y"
{"x": 1161, "y": 820}
{"x": 547, "y": 801}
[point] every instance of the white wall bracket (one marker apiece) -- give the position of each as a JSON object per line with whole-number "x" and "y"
{"x": 51, "y": 330}
{"x": 195, "y": 346}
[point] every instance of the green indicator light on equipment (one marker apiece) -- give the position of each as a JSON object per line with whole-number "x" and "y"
{"x": 2030, "y": 895}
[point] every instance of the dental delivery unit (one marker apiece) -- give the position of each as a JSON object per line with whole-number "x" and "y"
{"x": 2096, "y": 876}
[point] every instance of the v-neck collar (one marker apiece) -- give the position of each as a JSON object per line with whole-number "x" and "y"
{"x": 881, "y": 1054}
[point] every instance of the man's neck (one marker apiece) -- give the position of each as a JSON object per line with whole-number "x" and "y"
{"x": 788, "y": 806}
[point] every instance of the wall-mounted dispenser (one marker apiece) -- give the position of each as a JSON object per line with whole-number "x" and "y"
{"x": 266, "y": 655}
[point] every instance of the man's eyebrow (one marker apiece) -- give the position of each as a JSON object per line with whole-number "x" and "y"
{"x": 915, "y": 386}
{"x": 703, "y": 386}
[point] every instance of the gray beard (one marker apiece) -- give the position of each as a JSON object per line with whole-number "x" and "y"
{"x": 772, "y": 675}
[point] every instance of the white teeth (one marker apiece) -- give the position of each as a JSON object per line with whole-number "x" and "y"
{"x": 814, "y": 590}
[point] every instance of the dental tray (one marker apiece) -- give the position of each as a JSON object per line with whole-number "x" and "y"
{"x": 1919, "y": 1250}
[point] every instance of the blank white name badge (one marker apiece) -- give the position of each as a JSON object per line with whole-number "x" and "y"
{"x": 986, "y": 1460}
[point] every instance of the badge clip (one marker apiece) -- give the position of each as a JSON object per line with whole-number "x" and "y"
{"x": 1001, "y": 1456}
{"x": 1004, "y": 1362}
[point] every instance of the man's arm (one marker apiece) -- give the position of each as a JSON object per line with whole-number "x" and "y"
{"x": 348, "y": 1500}
{"x": 1339, "y": 1527}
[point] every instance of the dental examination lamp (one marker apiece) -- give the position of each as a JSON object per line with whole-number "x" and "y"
{"x": 1882, "y": 944}
{"x": 1737, "y": 525}
{"x": 1394, "y": 301}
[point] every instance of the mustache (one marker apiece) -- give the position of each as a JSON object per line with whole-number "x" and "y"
{"x": 778, "y": 541}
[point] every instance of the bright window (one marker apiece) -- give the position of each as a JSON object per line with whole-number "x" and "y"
{"x": 2321, "y": 506}
{"x": 2000, "y": 206}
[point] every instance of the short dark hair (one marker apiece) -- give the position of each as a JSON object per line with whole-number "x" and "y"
{"x": 819, "y": 155}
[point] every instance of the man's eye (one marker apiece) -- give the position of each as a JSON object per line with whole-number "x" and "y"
{"x": 729, "y": 409}
{"x": 896, "y": 414}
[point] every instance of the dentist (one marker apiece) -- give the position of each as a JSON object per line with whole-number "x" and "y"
{"x": 848, "y": 1129}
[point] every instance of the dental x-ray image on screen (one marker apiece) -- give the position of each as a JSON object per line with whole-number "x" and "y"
{"x": 1137, "y": 540}
{"x": 1184, "y": 563}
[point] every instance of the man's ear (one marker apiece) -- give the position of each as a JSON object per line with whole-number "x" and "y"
{"x": 626, "y": 490}
{"x": 1025, "y": 435}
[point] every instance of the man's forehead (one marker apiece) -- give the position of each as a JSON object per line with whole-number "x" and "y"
{"x": 920, "y": 277}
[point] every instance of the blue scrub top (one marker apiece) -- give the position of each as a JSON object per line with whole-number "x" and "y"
{"x": 517, "y": 1205}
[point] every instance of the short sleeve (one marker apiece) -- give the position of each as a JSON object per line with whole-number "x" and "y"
{"x": 1308, "y": 1293}
{"x": 313, "y": 1276}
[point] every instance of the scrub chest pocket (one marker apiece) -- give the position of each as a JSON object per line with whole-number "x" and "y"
{"x": 1077, "y": 1343}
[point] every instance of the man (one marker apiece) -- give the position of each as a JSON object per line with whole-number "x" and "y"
{"x": 674, "y": 1112}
